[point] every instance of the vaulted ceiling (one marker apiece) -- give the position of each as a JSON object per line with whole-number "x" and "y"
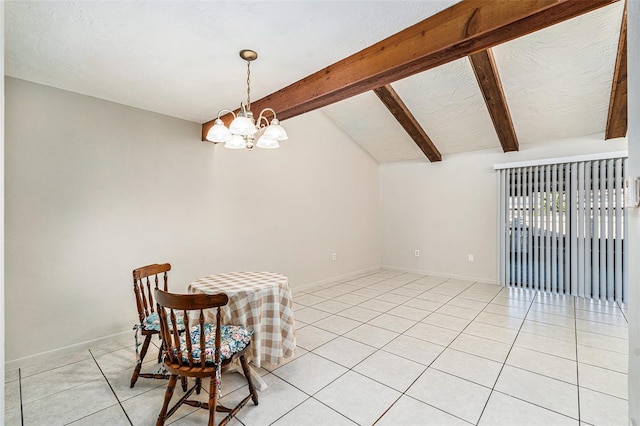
{"x": 405, "y": 80}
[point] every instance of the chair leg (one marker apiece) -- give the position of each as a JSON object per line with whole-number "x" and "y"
{"x": 247, "y": 374}
{"x": 213, "y": 400}
{"x": 167, "y": 397}
{"x": 183, "y": 381}
{"x": 143, "y": 352}
{"x": 160, "y": 354}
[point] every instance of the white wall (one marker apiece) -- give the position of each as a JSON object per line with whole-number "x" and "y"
{"x": 633, "y": 52}
{"x": 447, "y": 210}
{"x": 95, "y": 189}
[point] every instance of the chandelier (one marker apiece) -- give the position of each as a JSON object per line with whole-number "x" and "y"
{"x": 244, "y": 130}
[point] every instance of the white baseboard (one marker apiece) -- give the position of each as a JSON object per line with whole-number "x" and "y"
{"x": 344, "y": 277}
{"x": 64, "y": 351}
{"x": 439, "y": 274}
{"x": 337, "y": 278}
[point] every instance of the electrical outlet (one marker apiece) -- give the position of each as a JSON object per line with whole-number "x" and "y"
{"x": 334, "y": 256}
{"x": 470, "y": 258}
{"x": 417, "y": 253}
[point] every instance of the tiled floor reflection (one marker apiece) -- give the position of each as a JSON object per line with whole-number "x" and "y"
{"x": 383, "y": 348}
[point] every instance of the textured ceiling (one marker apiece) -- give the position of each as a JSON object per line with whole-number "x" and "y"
{"x": 557, "y": 82}
{"x": 181, "y": 59}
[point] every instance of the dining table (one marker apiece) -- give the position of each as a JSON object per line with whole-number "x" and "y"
{"x": 259, "y": 301}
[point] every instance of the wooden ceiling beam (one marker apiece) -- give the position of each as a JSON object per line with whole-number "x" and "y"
{"x": 394, "y": 104}
{"x": 462, "y": 29}
{"x": 617, "y": 117}
{"x": 484, "y": 67}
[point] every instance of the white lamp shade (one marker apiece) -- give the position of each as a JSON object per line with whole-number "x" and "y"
{"x": 275, "y": 131}
{"x": 236, "y": 142}
{"x": 218, "y": 132}
{"x": 267, "y": 143}
{"x": 242, "y": 126}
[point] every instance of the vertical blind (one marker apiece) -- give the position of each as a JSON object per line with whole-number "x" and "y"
{"x": 562, "y": 228}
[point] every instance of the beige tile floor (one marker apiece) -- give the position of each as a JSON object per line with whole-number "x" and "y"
{"x": 383, "y": 348}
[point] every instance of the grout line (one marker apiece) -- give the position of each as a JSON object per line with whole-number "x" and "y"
{"x": 319, "y": 390}
{"x": 110, "y": 387}
{"x": 425, "y": 403}
{"x": 20, "y": 388}
{"x": 387, "y": 410}
{"x": 575, "y": 319}
{"x": 622, "y": 311}
{"x": 307, "y": 399}
{"x": 539, "y": 406}
{"x": 507, "y": 357}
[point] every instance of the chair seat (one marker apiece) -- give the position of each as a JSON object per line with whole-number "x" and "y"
{"x": 233, "y": 339}
{"x": 152, "y": 322}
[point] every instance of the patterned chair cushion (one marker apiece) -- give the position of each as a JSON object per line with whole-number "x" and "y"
{"x": 233, "y": 339}
{"x": 152, "y": 322}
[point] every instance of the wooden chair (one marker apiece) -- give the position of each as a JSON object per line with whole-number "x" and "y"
{"x": 205, "y": 351}
{"x": 145, "y": 281}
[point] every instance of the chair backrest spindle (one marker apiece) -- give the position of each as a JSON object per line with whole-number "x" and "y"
{"x": 189, "y": 344}
{"x": 218, "y": 327}
{"x": 175, "y": 333}
{"x": 150, "y": 293}
{"x": 165, "y": 332}
{"x": 139, "y": 302}
{"x": 202, "y": 339}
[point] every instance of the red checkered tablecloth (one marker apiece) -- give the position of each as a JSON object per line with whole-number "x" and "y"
{"x": 260, "y": 301}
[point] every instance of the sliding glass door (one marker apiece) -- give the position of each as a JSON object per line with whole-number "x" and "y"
{"x": 562, "y": 228}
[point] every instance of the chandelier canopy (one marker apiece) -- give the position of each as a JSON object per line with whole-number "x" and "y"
{"x": 244, "y": 130}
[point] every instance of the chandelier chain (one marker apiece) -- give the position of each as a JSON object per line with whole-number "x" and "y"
{"x": 248, "y": 85}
